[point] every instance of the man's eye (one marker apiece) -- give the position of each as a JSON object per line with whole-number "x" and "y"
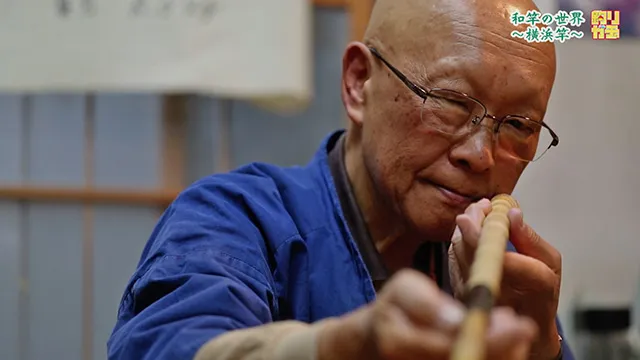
{"x": 458, "y": 106}
{"x": 521, "y": 126}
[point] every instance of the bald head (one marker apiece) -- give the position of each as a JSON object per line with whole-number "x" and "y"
{"x": 393, "y": 18}
{"x": 424, "y": 30}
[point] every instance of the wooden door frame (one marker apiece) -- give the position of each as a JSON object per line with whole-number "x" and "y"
{"x": 358, "y": 10}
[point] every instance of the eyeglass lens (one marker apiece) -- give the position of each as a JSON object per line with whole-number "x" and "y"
{"x": 456, "y": 114}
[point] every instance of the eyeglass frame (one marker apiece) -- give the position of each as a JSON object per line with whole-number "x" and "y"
{"x": 424, "y": 94}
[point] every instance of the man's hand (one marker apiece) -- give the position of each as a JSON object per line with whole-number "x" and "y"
{"x": 413, "y": 319}
{"x": 531, "y": 277}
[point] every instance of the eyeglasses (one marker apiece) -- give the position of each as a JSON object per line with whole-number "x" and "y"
{"x": 458, "y": 114}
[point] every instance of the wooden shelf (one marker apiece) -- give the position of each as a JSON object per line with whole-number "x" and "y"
{"x": 161, "y": 198}
{"x": 331, "y": 3}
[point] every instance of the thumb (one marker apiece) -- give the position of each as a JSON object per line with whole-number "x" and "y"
{"x": 521, "y": 235}
{"x": 528, "y": 242}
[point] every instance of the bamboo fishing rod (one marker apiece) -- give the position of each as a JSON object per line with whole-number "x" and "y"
{"x": 483, "y": 286}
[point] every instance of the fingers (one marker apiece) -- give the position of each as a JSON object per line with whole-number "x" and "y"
{"x": 422, "y": 301}
{"x": 522, "y": 236}
{"x": 526, "y": 270}
{"x": 528, "y": 242}
{"x": 470, "y": 223}
{"x": 467, "y": 233}
{"x": 398, "y": 338}
{"x": 456, "y": 277}
{"x": 510, "y": 336}
{"x": 413, "y": 319}
{"x": 525, "y": 275}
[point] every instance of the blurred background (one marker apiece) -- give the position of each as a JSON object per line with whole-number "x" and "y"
{"x": 85, "y": 176}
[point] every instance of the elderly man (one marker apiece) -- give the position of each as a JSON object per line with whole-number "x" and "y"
{"x": 266, "y": 262}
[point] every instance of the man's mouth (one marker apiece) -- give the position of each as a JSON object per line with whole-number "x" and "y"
{"x": 457, "y": 197}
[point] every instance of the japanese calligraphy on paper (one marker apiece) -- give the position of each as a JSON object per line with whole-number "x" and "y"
{"x": 253, "y": 49}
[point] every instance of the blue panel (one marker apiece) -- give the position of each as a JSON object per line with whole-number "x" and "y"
{"x": 119, "y": 237}
{"x": 55, "y": 282}
{"x": 127, "y": 140}
{"x": 285, "y": 140}
{"x": 203, "y": 120}
{"x": 9, "y": 280}
{"x": 56, "y": 140}
{"x": 11, "y": 137}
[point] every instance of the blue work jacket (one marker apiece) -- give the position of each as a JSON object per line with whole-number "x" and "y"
{"x": 255, "y": 245}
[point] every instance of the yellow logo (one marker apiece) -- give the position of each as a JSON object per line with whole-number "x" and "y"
{"x": 605, "y": 24}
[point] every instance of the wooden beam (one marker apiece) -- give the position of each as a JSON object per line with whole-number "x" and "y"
{"x": 161, "y": 197}
{"x": 359, "y": 13}
{"x": 87, "y": 231}
{"x": 330, "y": 3}
{"x": 173, "y": 145}
{"x": 224, "y": 151}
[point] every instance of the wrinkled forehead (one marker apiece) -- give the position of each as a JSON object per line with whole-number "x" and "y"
{"x": 475, "y": 31}
{"x": 476, "y": 54}
{"x": 483, "y": 57}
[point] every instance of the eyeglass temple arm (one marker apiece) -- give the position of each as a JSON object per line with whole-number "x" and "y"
{"x": 415, "y": 88}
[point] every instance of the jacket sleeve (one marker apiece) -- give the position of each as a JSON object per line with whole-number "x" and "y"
{"x": 203, "y": 274}
{"x": 286, "y": 340}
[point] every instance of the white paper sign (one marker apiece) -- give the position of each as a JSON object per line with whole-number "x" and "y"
{"x": 255, "y": 49}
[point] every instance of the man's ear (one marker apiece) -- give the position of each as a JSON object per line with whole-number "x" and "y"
{"x": 356, "y": 70}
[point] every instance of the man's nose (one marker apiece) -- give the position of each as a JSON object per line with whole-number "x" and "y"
{"x": 475, "y": 152}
